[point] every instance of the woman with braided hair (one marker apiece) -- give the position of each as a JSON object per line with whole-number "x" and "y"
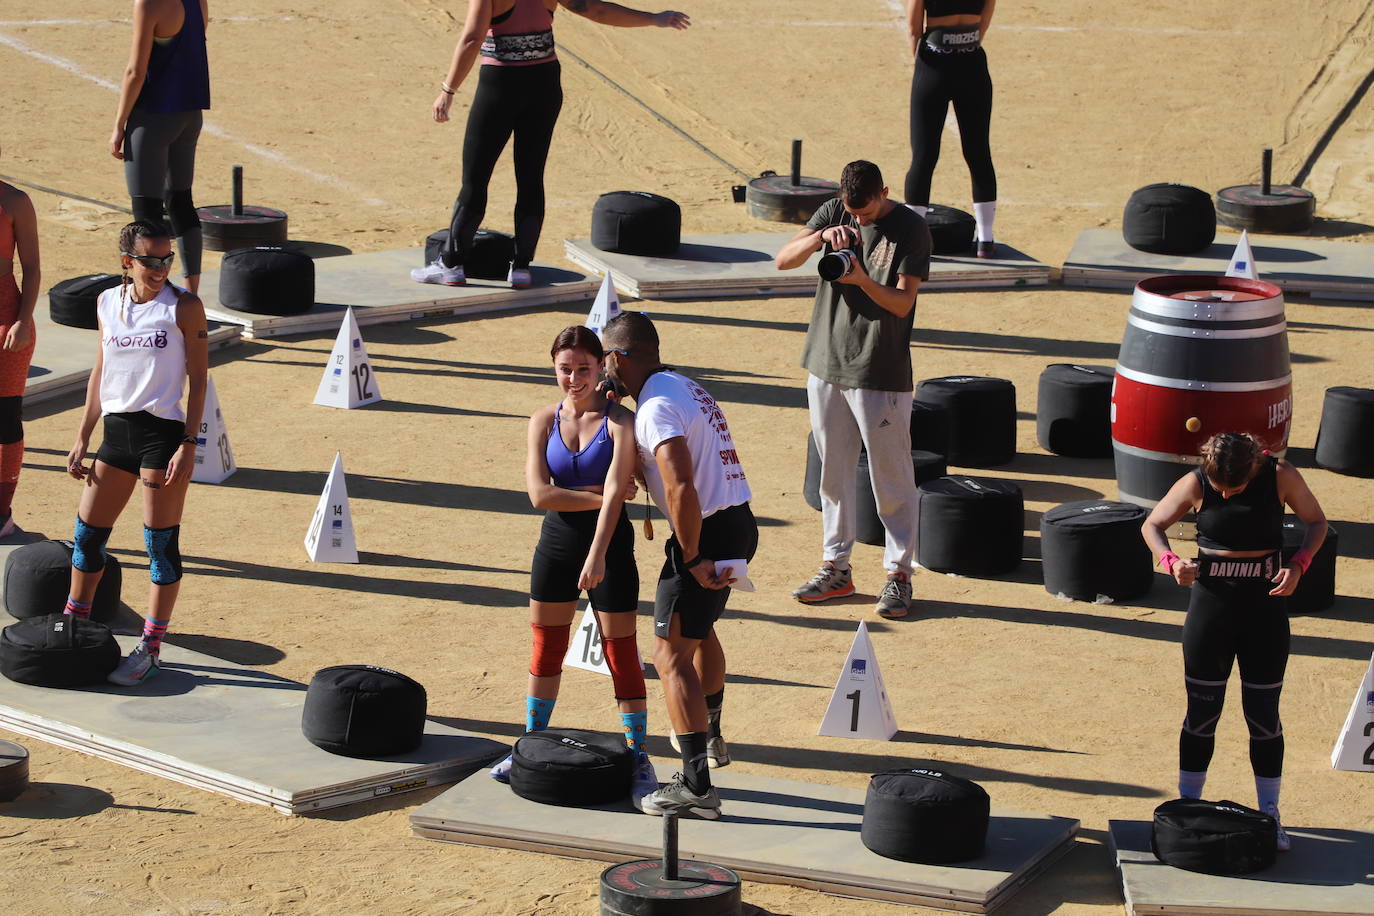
{"x": 1236, "y": 612}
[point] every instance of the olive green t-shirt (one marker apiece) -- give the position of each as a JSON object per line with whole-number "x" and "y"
{"x": 852, "y": 341}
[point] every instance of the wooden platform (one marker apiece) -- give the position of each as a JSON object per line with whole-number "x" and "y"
{"x": 772, "y": 830}
{"x": 64, "y": 357}
{"x": 1327, "y": 873}
{"x": 377, "y": 286}
{"x": 229, "y": 729}
{"x": 1314, "y": 267}
{"x": 741, "y": 264}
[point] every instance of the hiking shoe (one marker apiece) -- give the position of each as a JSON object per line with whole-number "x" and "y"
{"x": 135, "y": 669}
{"x": 677, "y": 797}
{"x": 717, "y": 754}
{"x": 1282, "y": 842}
{"x": 519, "y": 278}
{"x": 829, "y": 582}
{"x": 501, "y": 772}
{"x": 895, "y": 600}
{"x": 438, "y": 273}
{"x": 643, "y": 783}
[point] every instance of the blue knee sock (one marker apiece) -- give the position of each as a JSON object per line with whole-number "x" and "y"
{"x": 537, "y": 713}
{"x": 636, "y": 730}
{"x": 1190, "y": 783}
{"x": 1267, "y": 791}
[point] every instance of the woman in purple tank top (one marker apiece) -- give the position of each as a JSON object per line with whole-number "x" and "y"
{"x": 519, "y": 93}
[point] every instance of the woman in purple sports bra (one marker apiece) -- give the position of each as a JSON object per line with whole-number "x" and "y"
{"x": 579, "y": 469}
{"x": 519, "y": 92}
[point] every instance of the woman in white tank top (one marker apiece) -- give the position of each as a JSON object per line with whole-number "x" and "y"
{"x": 153, "y": 344}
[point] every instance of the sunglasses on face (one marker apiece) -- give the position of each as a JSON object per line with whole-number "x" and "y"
{"x": 620, "y": 350}
{"x": 152, "y": 261}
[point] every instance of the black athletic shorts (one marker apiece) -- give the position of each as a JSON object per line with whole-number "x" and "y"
{"x": 139, "y": 440}
{"x": 729, "y": 534}
{"x": 564, "y": 541}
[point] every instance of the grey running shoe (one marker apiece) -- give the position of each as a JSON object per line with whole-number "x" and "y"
{"x": 519, "y": 278}
{"x": 717, "y": 754}
{"x": 643, "y": 783}
{"x": 677, "y": 797}
{"x": 501, "y": 772}
{"x": 1283, "y": 842}
{"x": 136, "y": 668}
{"x": 829, "y": 582}
{"x": 895, "y": 600}
{"x": 436, "y": 272}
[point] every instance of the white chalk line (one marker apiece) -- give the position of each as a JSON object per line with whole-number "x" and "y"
{"x": 209, "y": 127}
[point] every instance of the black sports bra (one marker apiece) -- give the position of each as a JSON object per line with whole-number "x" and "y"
{"x": 1250, "y": 520}
{"x": 937, "y": 8}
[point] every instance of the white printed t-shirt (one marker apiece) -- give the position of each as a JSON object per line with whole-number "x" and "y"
{"x": 671, "y": 405}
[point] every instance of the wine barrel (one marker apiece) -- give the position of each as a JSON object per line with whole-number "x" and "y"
{"x": 1201, "y": 355}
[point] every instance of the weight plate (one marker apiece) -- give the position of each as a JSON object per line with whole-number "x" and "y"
{"x": 775, "y": 197}
{"x": 14, "y": 770}
{"x": 1284, "y": 209}
{"x": 639, "y": 889}
{"x": 222, "y": 230}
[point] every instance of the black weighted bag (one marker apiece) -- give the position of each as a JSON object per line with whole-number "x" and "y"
{"x": 72, "y": 302}
{"x": 364, "y": 711}
{"x": 1316, "y": 589}
{"x": 636, "y": 222}
{"x": 926, "y": 816}
{"x": 869, "y": 527}
{"x": 970, "y": 526}
{"x": 565, "y": 766}
{"x": 1217, "y": 838}
{"x": 38, "y": 577}
{"x": 930, "y": 427}
{"x": 267, "y": 281}
{"x": 1169, "y": 218}
{"x": 1347, "y": 431}
{"x": 982, "y": 417}
{"x": 1073, "y": 410}
{"x": 489, "y": 257}
{"x": 1092, "y": 550}
{"x": 58, "y": 651}
{"x": 951, "y": 230}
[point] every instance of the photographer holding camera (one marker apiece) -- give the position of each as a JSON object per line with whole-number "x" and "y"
{"x": 859, "y": 387}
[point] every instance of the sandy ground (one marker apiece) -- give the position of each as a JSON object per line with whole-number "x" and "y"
{"x": 1064, "y": 708}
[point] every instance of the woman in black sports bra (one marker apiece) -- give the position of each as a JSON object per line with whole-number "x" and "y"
{"x": 946, "y": 39}
{"x": 1236, "y": 611}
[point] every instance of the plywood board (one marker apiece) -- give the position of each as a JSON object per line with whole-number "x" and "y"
{"x": 377, "y": 286}
{"x": 1315, "y": 267}
{"x": 741, "y": 264}
{"x": 772, "y": 830}
{"x": 1327, "y": 873}
{"x": 226, "y": 728}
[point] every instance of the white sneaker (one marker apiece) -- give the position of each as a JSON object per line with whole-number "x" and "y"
{"x": 643, "y": 783}
{"x": 438, "y": 273}
{"x": 501, "y": 772}
{"x": 519, "y": 278}
{"x": 135, "y": 669}
{"x": 1282, "y": 842}
{"x": 9, "y": 527}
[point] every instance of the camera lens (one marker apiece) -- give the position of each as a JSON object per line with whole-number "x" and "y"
{"x": 835, "y": 265}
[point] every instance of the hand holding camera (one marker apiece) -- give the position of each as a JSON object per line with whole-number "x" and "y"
{"x": 841, "y": 262}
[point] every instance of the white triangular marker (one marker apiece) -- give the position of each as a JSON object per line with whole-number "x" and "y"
{"x": 214, "y": 457}
{"x": 348, "y": 380}
{"x": 606, "y": 306}
{"x": 330, "y": 538}
{"x": 1355, "y": 747}
{"x": 859, "y": 707}
{"x": 584, "y": 649}
{"x": 1243, "y": 260}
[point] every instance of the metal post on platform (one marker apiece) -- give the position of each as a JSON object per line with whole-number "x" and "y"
{"x": 796, "y": 162}
{"x": 670, "y": 845}
{"x": 1266, "y": 170}
{"x": 238, "y": 190}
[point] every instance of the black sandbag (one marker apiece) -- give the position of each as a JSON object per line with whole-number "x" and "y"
{"x": 951, "y": 230}
{"x": 971, "y": 526}
{"x": 1316, "y": 589}
{"x": 72, "y": 302}
{"x": 364, "y": 711}
{"x": 927, "y": 816}
{"x": 1216, "y": 838}
{"x": 1073, "y": 410}
{"x": 267, "y": 281}
{"x": 636, "y": 222}
{"x": 571, "y": 767}
{"x": 930, "y": 427}
{"x": 1167, "y": 218}
{"x": 38, "y": 578}
{"x": 1092, "y": 550}
{"x": 57, "y": 650}
{"x": 869, "y": 528}
{"x": 489, "y": 258}
{"x": 1345, "y": 439}
{"x": 982, "y": 417}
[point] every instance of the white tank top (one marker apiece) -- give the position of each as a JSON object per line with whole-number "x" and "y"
{"x": 145, "y": 353}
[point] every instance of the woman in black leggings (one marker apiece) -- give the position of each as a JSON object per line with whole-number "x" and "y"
{"x": 519, "y": 93}
{"x": 1237, "y": 610}
{"x": 951, "y": 66}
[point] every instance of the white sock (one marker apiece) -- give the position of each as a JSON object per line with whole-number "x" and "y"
{"x": 918, "y": 210}
{"x": 983, "y": 215}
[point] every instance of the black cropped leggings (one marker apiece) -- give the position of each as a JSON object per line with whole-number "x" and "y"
{"x": 962, "y": 78}
{"x": 519, "y": 101}
{"x": 1234, "y": 621}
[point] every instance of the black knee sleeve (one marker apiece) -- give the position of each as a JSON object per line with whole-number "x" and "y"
{"x": 181, "y": 212}
{"x": 149, "y": 209}
{"x": 1198, "y": 736}
{"x": 1261, "y": 705}
{"x": 11, "y": 420}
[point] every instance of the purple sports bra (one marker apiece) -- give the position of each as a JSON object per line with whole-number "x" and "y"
{"x": 586, "y": 468}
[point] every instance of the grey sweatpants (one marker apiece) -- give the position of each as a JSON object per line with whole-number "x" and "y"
{"x": 842, "y": 420}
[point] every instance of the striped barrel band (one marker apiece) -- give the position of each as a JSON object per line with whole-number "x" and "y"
{"x": 1188, "y": 384}
{"x": 1209, "y": 330}
{"x": 1165, "y": 307}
